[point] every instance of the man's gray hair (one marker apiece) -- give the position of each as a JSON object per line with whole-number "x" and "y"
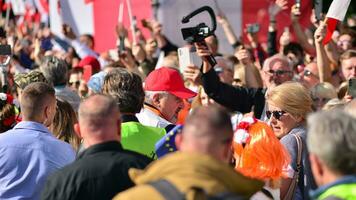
{"x": 149, "y": 95}
{"x": 126, "y": 88}
{"x": 55, "y": 70}
{"x": 279, "y": 57}
{"x": 332, "y": 138}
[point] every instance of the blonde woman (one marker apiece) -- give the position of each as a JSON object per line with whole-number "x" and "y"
{"x": 63, "y": 124}
{"x": 288, "y": 106}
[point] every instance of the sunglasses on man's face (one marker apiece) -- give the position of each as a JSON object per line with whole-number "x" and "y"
{"x": 277, "y": 72}
{"x": 276, "y": 114}
{"x": 74, "y": 83}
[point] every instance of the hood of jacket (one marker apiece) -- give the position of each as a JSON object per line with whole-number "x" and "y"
{"x": 186, "y": 170}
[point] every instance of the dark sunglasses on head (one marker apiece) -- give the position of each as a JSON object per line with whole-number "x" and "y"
{"x": 278, "y": 72}
{"x": 276, "y": 114}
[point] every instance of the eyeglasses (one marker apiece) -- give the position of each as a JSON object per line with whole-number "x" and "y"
{"x": 276, "y": 114}
{"x": 323, "y": 100}
{"x": 76, "y": 83}
{"x": 277, "y": 72}
{"x": 343, "y": 42}
{"x": 309, "y": 73}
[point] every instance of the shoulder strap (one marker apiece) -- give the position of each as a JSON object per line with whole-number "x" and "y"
{"x": 294, "y": 183}
{"x": 267, "y": 193}
{"x": 300, "y": 151}
{"x": 167, "y": 190}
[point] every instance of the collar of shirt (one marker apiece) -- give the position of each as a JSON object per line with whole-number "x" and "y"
{"x": 344, "y": 180}
{"x": 128, "y": 118}
{"x": 105, "y": 146}
{"x": 30, "y": 125}
{"x": 153, "y": 109}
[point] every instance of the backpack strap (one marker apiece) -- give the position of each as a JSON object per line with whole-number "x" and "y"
{"x": 170, "y": 192}
{"x": 167, "y": 190}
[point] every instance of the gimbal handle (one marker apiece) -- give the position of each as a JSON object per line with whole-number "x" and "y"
{"x": 199, "y": 10}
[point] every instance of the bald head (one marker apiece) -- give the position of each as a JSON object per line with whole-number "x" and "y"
{"x": 99, "y": 119}
{"x": 207, "y": 130}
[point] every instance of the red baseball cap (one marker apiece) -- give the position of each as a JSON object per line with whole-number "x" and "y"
{"x": 169, "y": 80}
{"x": 90, "y": 60}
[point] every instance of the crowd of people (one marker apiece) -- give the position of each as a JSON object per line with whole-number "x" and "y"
{"x": 273, "y": 120}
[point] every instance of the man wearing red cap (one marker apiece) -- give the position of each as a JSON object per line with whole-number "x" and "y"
{"x": 165, "y": 91}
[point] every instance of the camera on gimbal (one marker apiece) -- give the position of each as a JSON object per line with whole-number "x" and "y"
{"x": 201, "y": 31}
{"x": 197, "y": 33}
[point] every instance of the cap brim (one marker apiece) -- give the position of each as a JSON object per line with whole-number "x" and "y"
{"x": 184, "y": 93}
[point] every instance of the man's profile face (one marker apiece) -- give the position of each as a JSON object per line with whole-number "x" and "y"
{"x": 348, "y": 67}
{"x": 87, "y": 41}
{"x": 276, "y": 73}
{"x": 227, "y": 74}
{"x": 344, "y": 43}
{"x": 170, "y": 106}
{"x": 310, "y": 75}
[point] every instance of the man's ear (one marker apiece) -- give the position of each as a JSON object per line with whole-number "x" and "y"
{"x": 156, "y": 99}
{"x": 316, "y": 165}
{"x": 46, "y": 114}
{"x": 77, "y": 130}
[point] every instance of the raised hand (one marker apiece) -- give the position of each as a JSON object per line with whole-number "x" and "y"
{"x": 295, "y": 13}
{"x": 68, "y": 32}
{"x": 320, "y": 32}
{"x": 193, "y": 74}
{"x": 243, "y": 55}
{"x": 277, "y": 7}
{"x": 285, "y": 38}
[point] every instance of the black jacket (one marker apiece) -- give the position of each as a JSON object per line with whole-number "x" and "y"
{"x": 234, "y": 98}
{"x": 100, "y": 172}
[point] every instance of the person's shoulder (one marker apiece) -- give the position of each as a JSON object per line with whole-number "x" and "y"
{"x": 57, "y": 182}
{"x": 288, "y": 140}
{"x": 6, "y": 136}
{"x": 132, "y": 156}
{"x": 56, "y": 145}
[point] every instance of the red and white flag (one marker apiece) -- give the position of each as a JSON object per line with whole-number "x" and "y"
{"x": 336, "y": 14}
{"x": 96, "y": 17}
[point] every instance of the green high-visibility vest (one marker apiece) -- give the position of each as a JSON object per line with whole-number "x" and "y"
{"x": 140, "y": 138}
{"x": 343, "y": 191}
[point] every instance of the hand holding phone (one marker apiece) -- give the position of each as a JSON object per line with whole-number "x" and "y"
{"x": 187, "y": 57}
{"x": 253, "y": 28}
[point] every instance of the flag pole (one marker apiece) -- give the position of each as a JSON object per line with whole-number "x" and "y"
{"x": 7, "y": 18}
{"x": 132, "y": 25}
{"x": 121, "y": 13}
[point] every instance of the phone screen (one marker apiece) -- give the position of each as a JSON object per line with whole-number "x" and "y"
{"x": 352, "y": 87}
{"x": 5, "y": 50}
